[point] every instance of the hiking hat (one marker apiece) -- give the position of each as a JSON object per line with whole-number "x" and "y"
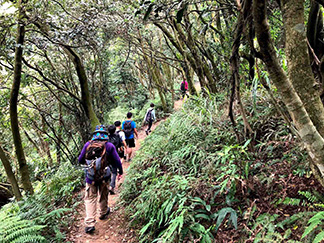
{"x": 100, "y": 133}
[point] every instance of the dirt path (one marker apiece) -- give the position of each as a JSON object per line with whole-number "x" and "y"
{"x": 114, "y": 229}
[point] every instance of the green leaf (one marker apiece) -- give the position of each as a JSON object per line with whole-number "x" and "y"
{"x": 310, "y": 228}
{"x": 222, "y": 215}
{"x": 234, "y": 218}
{"x": 143, "y": 230}
{"x": 319, "y": 237}
{"x": 202, "y": 215}
{"x": 208, "y": 208}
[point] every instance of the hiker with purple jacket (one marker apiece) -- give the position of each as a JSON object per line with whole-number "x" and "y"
{"x": 98, "y": 154}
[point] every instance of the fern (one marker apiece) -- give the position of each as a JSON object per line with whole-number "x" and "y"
{"x": 316, "y": 223}
{"x": 18, "y": 230}
{"x": 309, "y": 196}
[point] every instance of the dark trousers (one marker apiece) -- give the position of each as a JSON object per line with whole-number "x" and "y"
{"x": 184, "y": 92}
{"x": 149, "y": 125}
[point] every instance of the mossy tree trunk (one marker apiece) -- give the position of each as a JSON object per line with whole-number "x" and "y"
{"x": 299, "y": 69}
{"x": 85, "y": 93}
{"x": 23, "y": 168}
{"x": 10, "y": 174}
{"x": 308, "y": 132}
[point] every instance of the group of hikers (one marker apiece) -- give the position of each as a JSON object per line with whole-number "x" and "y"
{"x": 103, "y": 155}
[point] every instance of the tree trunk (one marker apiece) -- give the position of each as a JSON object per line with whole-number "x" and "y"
{"x": 10, "y": 174}
{"x": 310, "y": 136}
{"x": 85, "y": 94}
{"x": 46, "y": 146}
{"x": 23, "y": 168}
{"x": 60, "y": 130}
{"x": 234, "y": 65}
{"x": 299, "y": 69}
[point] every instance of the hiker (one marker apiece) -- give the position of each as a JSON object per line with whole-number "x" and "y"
{"x": 123, "y": 148}
{"x": 98, "y": 154}
{"x": 149, "y": 118}
{"x": 115, "y": 139}
{"x": 184, "y": 88}
{"x": 129, "y": 128}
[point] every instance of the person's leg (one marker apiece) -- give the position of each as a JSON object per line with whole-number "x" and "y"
{"x": 127, "y": 150}
{"x": 121, "y": 155}
{"x": 90, "y": 201}
{"x": 146, "y": 131}
{"x": 130, "y": 151}
{"x": 113, "y": 180}
{"x": 131, "y": 145}
{"x": 149, "y": 126}
{"x": 103, "y": 199}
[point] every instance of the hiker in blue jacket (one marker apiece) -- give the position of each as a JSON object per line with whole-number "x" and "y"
{"x": 129, "y": 128}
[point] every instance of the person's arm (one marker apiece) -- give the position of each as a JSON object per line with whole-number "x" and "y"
{"x": 135, "y": 131}
{"x": 110, "y": 148}
{"x": 123, "y": 138}
{"x": 153, "y": 115}
{"x": 82, "y": 154}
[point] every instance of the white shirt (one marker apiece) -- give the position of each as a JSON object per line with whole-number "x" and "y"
{"x": 121, "y": 135}
{"x": 153, "y": 113}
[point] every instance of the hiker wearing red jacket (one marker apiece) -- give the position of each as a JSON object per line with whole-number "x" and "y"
{"x": 184, "y": 88}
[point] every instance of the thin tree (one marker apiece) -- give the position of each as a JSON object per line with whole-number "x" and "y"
{"x": 23, "y": 168}
{"x": 10, "y": 174}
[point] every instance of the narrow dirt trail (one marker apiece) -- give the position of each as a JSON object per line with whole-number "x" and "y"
{"x": 114, "y": 228}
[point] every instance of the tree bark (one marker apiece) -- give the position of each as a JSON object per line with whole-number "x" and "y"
{"x": 85, "y": 93}
{"x": 23, "y": 168}
{"x": 310, "y": 136}
{"x": 299, "y": 69}
{"x": 10, "y": 174}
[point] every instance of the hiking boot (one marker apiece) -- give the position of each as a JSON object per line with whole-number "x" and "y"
{"x": 146, "y": 132}
{"x": 112, "y": 190}
{"x": 102, "y": 217}
{"x": 89, "y": 230}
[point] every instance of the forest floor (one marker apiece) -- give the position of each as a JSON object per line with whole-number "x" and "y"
{"x": 114, "y": 229}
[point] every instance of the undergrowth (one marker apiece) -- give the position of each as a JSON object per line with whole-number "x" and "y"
{"x": 191, "y": 181}
{"x": 41, "y": 217}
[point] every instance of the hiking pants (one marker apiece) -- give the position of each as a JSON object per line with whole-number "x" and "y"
{"x": 113, "y": 177}
{"x": 184, "y": 92}
{"x": 149, "y": 125}
{"x": 90, "y": 199}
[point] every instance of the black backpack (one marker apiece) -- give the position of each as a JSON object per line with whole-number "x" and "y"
{"x": 128, "y": 130}
{"x": 115, "y": 140}
{"x": 96, "y": 159}
{"x": 182, "y": 86}
{"x": 149, "y": 115}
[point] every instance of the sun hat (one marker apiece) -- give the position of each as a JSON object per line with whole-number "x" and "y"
{"x": 100, "y": 133}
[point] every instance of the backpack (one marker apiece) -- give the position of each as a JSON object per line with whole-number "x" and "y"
{"x": 96, "y": 159}
{"x": 182, "y": 86}
{"x": 128, "y": 130}
{"x": 115, "y": 140}
{"x": 149, "y": 116}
